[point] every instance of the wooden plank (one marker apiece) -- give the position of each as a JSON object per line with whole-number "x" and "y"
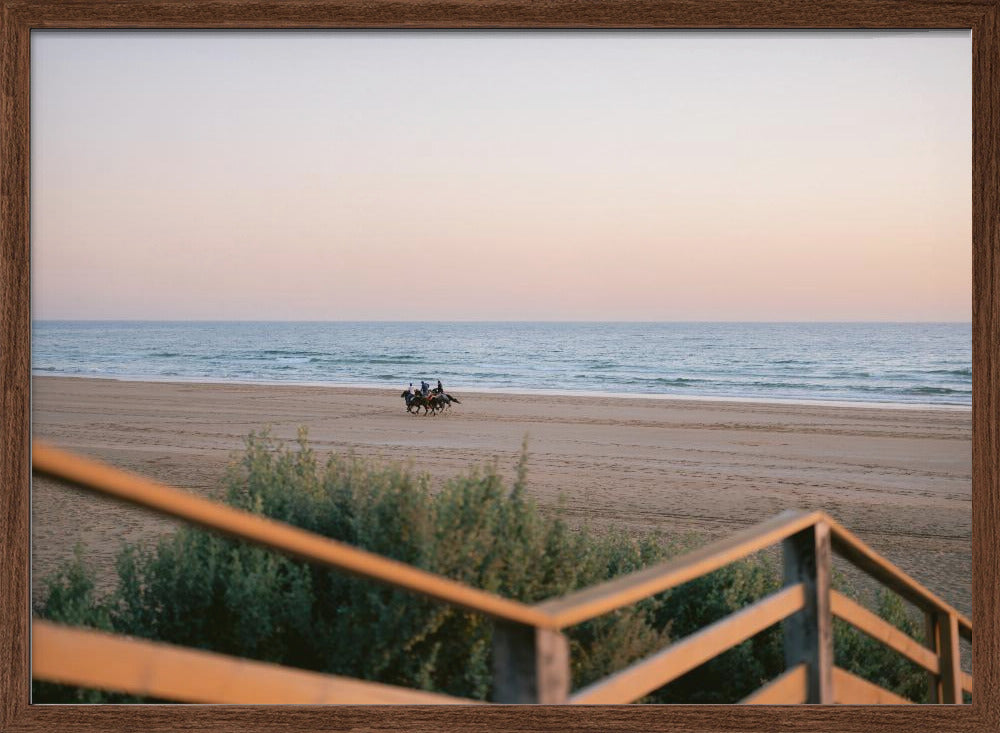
{"x": 125, "y": 486}
{"x": 881, "y": 630}
{"x": 851, "y": 548}
{"x": 530, "y": 665}
{"x": 965, "y": 628}
{"x": 808, "y": 634}
{"x": 552, "y": 667}
{"x": 606, "y": 597}
{"x": 849, "y": 689}
{"x": 657, "y": 670}
{"x": 967, "y": 682}
{"x": 96, "y": 659}
{"x": 788, "y": 688}
{"x": 951, "y": 667}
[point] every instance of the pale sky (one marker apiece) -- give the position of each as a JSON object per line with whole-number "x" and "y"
{"x": 501, "y": 175}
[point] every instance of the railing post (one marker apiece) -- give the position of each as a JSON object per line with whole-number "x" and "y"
{"x": 530, "y": 665}
{"x": 949, "y": 653}
{"x": 933, "y": 643}
{"x": 808, "y": 634}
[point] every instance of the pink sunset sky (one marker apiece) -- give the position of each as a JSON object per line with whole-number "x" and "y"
{"x": 501, "y": 176}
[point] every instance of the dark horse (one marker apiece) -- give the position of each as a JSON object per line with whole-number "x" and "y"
{"x": 415, "y": 401}
{"x": 431, "y": 403}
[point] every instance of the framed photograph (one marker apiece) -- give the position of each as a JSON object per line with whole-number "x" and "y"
{"x": 499, "y": 365}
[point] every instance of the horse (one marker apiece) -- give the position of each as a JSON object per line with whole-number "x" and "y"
{"x": 430, "y": 404}
{"x": 414, "y": 400}
{"x": 446, "y": 398}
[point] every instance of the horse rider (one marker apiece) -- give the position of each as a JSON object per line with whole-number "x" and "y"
{"x": 440, "y": 388}
{"x": 411, "y": 390}
{"x": 424, "y": 387}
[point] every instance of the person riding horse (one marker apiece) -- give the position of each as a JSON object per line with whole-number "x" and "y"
{"x": 431, "y": 403}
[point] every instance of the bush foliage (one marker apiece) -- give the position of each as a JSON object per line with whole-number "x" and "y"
{"x": 202, "y": 590}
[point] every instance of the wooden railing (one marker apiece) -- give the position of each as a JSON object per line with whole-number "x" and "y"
{"x": 531, "y": 654}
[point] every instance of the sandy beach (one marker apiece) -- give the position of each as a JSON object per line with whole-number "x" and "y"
{"x": 899, "y": 478}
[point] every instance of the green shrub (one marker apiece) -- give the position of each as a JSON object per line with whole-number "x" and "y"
{"x": 202, "y": 590}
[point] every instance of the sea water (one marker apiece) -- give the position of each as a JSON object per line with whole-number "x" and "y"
{"x": 903, "y": 363}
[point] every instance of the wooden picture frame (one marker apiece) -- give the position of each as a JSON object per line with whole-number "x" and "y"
{"x": 20, "y": 17}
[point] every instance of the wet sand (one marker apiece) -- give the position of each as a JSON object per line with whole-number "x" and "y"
{"x": 899, "y": 478}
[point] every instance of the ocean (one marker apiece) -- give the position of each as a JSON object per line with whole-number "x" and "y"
{"x": 896, "y": 363}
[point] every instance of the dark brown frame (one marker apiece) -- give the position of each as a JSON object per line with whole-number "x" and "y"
{"x": 19, "y": 17}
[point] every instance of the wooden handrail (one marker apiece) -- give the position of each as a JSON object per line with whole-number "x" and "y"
{"x": 125, "y": 486}
{"x": 854, "y": 550}
{"x": 613, "y": 594}
{"x": 682, "y": 656}
{"x": 849, "y": 689}
{"x": 96, "y": 659}
{"x": 877, "y": 628}
{"x": 788, "y": 688}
